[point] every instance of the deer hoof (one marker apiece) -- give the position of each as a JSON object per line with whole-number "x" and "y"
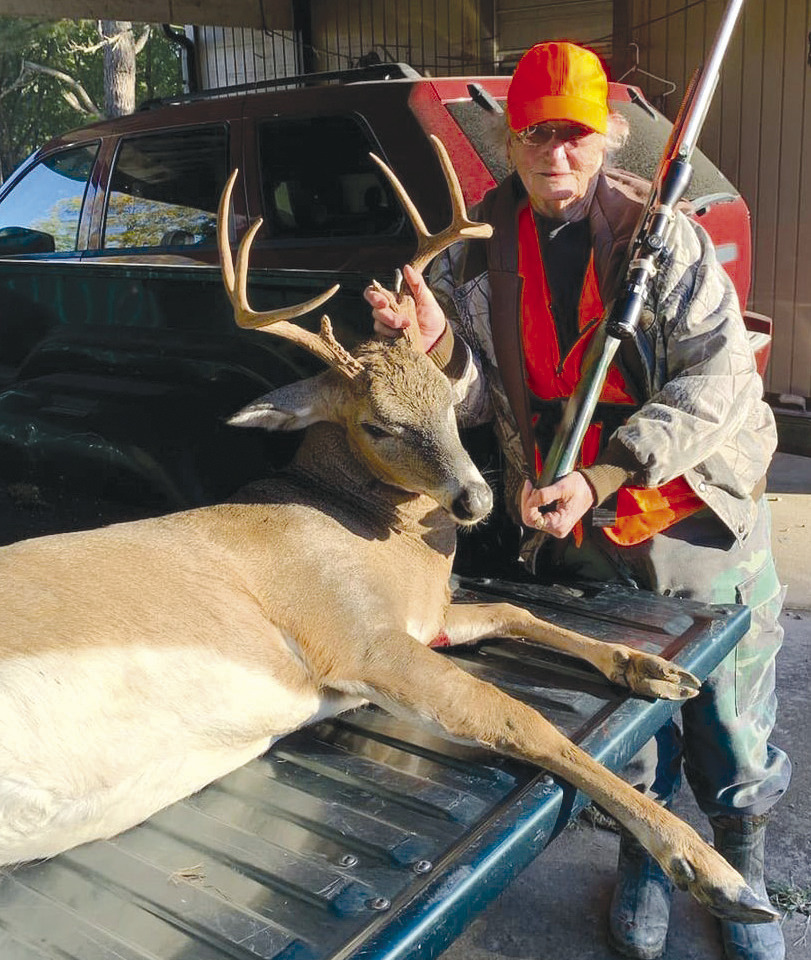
{"x": 747, "y": 907}
{"x": 721, "y": 889}
{"x": 652, "y": 676}
{"x": 760, "y": 910}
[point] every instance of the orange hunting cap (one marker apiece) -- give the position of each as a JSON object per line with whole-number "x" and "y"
{"x": 558, "y": 81}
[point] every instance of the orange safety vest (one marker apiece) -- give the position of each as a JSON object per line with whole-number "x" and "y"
{"x": 641, "y": 511}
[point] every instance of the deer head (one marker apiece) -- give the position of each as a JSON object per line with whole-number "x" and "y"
{"x": 393, "y": 403}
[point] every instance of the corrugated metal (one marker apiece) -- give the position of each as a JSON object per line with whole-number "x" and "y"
{"x": 436, "y": 37}
{"x": 520, "y": 23}
{"x": 232, "y": 55}
{"x": 361, "y": 829}
{"x": 759, "y": 134}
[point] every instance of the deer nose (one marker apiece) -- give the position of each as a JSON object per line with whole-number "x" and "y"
{"x": 473, "y": 503}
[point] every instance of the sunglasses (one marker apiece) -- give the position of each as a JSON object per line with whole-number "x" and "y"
{"x": 540, "y": 134}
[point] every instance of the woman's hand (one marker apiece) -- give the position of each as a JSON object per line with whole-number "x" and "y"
{"x": 430, "y": 317}
{"x": 571, "y": 496}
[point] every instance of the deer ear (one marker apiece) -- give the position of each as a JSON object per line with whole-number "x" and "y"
{"x": 295, "y": 406}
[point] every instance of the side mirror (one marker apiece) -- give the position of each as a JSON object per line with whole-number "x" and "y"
{"x": 18, "y": 240}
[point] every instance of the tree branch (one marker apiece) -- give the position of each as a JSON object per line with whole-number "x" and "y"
{"x": 81, "y": 99}
{"x": 141, "y": 42}
{"x": 16, "y": 84}
{"x": 87, "y": 47}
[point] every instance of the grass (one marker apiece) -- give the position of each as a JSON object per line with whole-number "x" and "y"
{"x": 791, "y": 898}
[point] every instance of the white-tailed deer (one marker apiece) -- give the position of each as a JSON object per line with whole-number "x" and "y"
{"x": 141, "y": 661}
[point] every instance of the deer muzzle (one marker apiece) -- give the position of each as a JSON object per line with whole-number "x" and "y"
{"x": 473, "y": 502}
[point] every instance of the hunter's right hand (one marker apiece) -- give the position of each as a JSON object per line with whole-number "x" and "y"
{"x": 430, "y": 317}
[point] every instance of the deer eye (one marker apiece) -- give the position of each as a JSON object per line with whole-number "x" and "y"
{"x": 375, "y": 431}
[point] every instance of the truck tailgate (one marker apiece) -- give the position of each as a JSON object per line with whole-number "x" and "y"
{"x": 363, "y": 836}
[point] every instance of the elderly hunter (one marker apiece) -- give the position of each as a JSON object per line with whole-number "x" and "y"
{"x": 679, "y": 447}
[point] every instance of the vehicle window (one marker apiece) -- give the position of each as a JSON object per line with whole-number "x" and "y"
{"x": 164, "y": 189}
{"x": 49, "y": 200}
{"x": 307, "y": 195}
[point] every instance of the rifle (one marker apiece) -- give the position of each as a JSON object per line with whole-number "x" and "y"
{"x": 646, "y": 251}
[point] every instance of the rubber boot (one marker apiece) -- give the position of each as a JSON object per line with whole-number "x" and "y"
{"x": 640, "y": 906}
{"x": 741, "y": 842}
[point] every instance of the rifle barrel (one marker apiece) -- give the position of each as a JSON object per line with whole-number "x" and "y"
{"x": 670, "y": 183}
{"x": 708, "y": 81}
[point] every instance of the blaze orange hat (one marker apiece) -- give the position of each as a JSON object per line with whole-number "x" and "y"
{"x": 558, "y": 81}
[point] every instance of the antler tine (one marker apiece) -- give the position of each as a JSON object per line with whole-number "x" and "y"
{"x": 461, "y": 227}
{"x": 323, "y": 345}
{"x": 223, "y": 240}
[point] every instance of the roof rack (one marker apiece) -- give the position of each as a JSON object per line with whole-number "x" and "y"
{"x": 375, "y": 71}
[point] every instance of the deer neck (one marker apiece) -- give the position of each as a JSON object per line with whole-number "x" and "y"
{"x": 326, "y": 460}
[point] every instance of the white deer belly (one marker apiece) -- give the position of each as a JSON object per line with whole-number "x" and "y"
{"x": 96, "y": 740}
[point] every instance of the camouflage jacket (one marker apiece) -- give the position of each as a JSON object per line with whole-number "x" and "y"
{"x": 702, "y": 413}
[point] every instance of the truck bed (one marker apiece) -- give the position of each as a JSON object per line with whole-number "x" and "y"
{"x": 364, "y": 836}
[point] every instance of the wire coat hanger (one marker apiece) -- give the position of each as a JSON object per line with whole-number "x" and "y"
{"x": 635, "y": 68}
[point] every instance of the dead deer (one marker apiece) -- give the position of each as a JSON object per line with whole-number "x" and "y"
{"x": 141, "y": 661}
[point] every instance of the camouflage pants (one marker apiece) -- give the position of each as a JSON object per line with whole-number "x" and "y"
{"x": 724, "y": 741}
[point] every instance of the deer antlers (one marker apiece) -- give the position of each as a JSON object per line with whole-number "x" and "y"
{"x": 323, "y": 344}
{"x": 429, "y": 245}
{"x": 460, "y": 227}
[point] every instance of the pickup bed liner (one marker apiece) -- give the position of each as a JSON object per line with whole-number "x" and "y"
{"x": 364, "y": 836}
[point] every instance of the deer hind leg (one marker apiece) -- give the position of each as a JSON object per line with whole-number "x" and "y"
{"x": 401, "y": 675}
{"x": 644, "y": 673}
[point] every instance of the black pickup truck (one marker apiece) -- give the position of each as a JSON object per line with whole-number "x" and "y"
{"x": 362, "y": 837}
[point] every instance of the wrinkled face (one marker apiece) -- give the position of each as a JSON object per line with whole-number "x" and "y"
{"x": 404, "y": 427}
{"x": 557, "y": 163}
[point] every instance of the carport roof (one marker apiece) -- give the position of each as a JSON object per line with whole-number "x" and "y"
{"x": 259, "y": 14}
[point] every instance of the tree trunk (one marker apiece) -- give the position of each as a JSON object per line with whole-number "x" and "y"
{"x": 119, "y": 67}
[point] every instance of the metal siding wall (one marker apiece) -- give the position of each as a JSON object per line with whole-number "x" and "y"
{"x": 759, "y": 133}
{"x": 230, "y": 55}
{"x": 520, "y": 23}
{"x": 793, "y": 277}
{"x": 436, "y": 37}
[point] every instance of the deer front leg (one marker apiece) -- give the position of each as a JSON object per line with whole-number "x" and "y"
{"x": 644, "y": 673}
{"x": 401, "y": 675}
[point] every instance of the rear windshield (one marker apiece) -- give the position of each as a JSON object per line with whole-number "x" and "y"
{"x": 306, "y": 197}
{"x": 649, "y": 133}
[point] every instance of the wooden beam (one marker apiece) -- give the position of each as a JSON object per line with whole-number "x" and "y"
{"x": 258, "y": 14}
